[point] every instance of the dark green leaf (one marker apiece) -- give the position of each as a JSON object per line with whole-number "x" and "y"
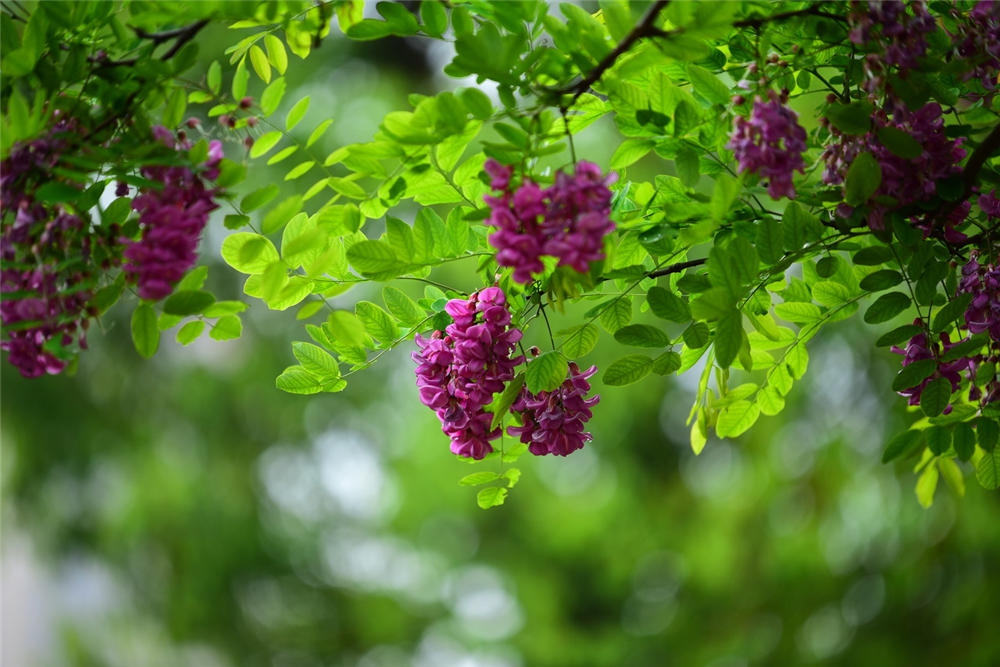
{"x": 887, "y": 307}
{"x": 988, "y": 470}
{"x": 881, "y": 280}
{"x": 667, "y": 305}
{"x": 903, "y": 445}
{"x": 863, "y": 178}
{"x": 935, "y": 396}
{"x": 964, "y": 440}
{"x": 898, "y": 335}
{"x": 951, "y": 312}
{"x": 580, "y": 340}
{"x": 729, "y": 336}
{"x": 666, "y": 363}
{"x": 850, "y": 118}
{"x": 987, "y": 433}
{"x": 914, "y": 374}
{"x": 900, "y": 143}
{"x": 188, "y": 302}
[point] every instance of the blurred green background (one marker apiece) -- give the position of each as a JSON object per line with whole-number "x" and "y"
{"x": 182, "y": 511}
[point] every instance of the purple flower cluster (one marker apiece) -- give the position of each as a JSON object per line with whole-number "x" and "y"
{"x": 898, "y": 36}
{"x": 458, "y": 371}
{"x": 172, "y": 219}
{"x": 978, "y": 42}
{"x": 983, "y": 283}
{"x": 553, "y": 421}
{"x": 770, "y": 143}
{"x": 51, "y": 259}
{"x": 905, "y": 181}
{"x": 568, "y": 220}
{"x": 990, "y": 204}
{"x": 920, "y": 348}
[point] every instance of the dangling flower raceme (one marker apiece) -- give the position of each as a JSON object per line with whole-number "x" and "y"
{"x": 460, "y": 369}
{"x": 896, "y": 31}
{"x": 51, "y": 259}
{"x": 172, "y": 219}
{"x": 554, "y": 421}
{"x": 983, "y": 283}
{"x": 568, "y": 220}
{"x": 977, "y": 41}
{"x": 904, "y": 180}
{"x": 918, "y": 349}
{"x": 770, "y": 143}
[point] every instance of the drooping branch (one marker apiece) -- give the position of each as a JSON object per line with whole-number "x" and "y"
{"x": 984, "y": 151}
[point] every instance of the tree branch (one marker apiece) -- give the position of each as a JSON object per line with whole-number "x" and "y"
{"x": 989, "y": 147}
{"x": 676, "y": 268}
{"x": 181, "y": 35}
{"x": 646, "y": 28}
{"x": 809, "y": 11}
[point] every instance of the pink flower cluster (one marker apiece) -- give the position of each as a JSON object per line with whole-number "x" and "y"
{"x": 553, "y": 421}
{"x": 899, "y": 36}
{"x": 978, "y": 41}
{"x": 568, "y": 220}
{"x": 770, "y": 143}
{"x": 50, "y": 259}
{"x": 919, "y": 348}
{"x": 172, "y": 219}
{"x": 459, "y": 371}
{"x": 983, "y": 283}
{"x": 906, "y": 181}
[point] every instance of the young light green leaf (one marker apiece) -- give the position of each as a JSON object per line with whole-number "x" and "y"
{"x": 580, "y": 340}
{"x": 477, "y": 478}
{"x": 491, "y": 497}
{"x": 506, "y": 399}
{"x": 296, "y": 114}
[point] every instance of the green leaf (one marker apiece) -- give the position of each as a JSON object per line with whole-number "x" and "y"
{"x": 260, "y": 63}
{"x": 642, "y": 335}
{"x": 951, "y": 312}
{"x": 964, "y": 440}
{"x": 297, "y": 380}
{"x": 988, "y": 470}
{"x": 279, "y": 216}
{"x": 729, "y": 337}
{"x": 402, "y": 307}
{"x": 900, "y": 143}
{"x": 926, "y": 485}
{"x": 696, "y": 335}
{"x": 378, "y": 322}
{"x": 176, "y": 105}
{"x": 434, "y": 17}
{"x": 736, "y": 418}
{"x": 145, "y": 333}
{"x": 630, "y": 151}
{"x": 296, "y": 113}
{"x": 276, "y": 53}
{"x": 903, "y": 445}
{"x": 226, "y": 327}
{"x": 258, "y": 198}
{"x": 372, "y": 257}
{"x": 272, "y": 95}
{"x": 220, "y": 308}
{"x": 987, "y": 433}
{"x": 666, "y": 363}
{"x": 506, "y": 399}
{"x": 580, "y": 340}
{"x": 318, "y": 132}
{"x": 798, "y": 312}
{"x": 898, "y": 335}
{"x": 872, "y": 256}
{"x": 190, "y": 331}
{"x": 264, "y": 143}
{"x": 864, "y": 177}
{"x": 240, "y": 79}
{"x": 935, "y": 396}
{"x": 347, "y": 328}
{"x": 249, "y": 253}
{"x": 707, "y": 84}
{"x": 688, "y": 166}
{"x": 316, "y": 360}
{"x": 831, "y": 294}
{"x": 188, "y": 302}
{"x": 952, "y": 475}
{"x": 887, "y": 307}
{"x": 914, "y": 374}
{"x": 214, "y": 77}
{"x": 852, "y": 119}
{"x": 491, "y": 496}
{"x": 482, "y": 477}
{"x": 56, "y": 192}
{"x": 545, "y": 372}
{"x": 881, "y": 280}
{"x": 627, "y": 370}
{"x": 667, "y": 305}
{"x": 770, "y": 240}
{"x": 617, "y": 314}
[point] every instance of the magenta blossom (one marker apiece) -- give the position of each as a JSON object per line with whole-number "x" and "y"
{"x": 770, "y": 143}
{"x": 554, "y": 421}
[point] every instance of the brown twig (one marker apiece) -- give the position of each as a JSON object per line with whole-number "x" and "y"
{"x": 645, "y": 28}
{"x": 809, "y": 11}
{"x": 676, "y": 268}
{"x": 181, "y": 36}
